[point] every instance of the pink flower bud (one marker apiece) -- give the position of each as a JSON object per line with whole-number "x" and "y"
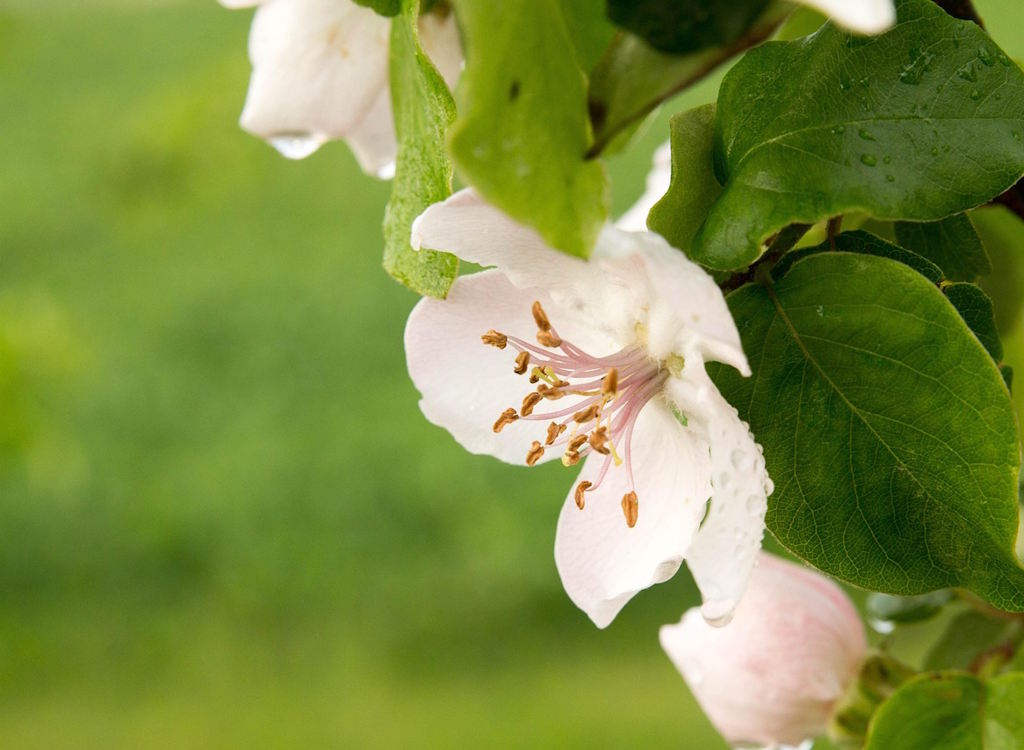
{"x": 774, "y": 673}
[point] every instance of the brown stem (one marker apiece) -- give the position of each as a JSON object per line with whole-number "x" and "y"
{"x": 778, "y": 246}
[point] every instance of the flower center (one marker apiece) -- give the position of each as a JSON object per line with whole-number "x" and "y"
{"x": 606, "y": 393}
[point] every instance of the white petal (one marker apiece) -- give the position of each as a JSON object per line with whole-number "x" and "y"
{"x": 658, "y": 179}
{"x": 724, "y": 550}
{"x": 467, "y": 226}
{"x": 602, "y": 561}
{"x": 319, "y": 67}
{"x": 439, "y": 38}
{"x": 773, "y": 674}
{"x": 865, "y": 16}
{"x": 687, "y": 313}
{"x": 372, "y": 140}
{"x": 465, "y": 384}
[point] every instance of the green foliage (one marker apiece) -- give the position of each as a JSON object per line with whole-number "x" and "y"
{"x": 952, "y": 711}
{"x": 952, "y": 244}
{"x": 681, "y": 26}
{"x": 887, "y": 430}
{"x": 523, "y": 131}
{"x": 1003, "y": 235}
{"x": 694, "y": 189}
{"x": 423, "y": 110}
{"x": 903, "y": 609}
{"x": 968, "y": 635}
{"x": 865, "y": 243}
{"x": 975, "y": 308}
{"x": 919, "y": 123}
{"x": 383, "y": 7}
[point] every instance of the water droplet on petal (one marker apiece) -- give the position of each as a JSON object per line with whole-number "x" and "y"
{"x": 755, "y": 505}
{"x": 742, "y": 461}
{"x": 723, "y": 481}
{"x": 296, "y": 145}
{"x": 718, "y": 612}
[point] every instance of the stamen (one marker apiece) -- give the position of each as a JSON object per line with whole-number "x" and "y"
{"x": 507, "y": 417}
{"x": 533, "y": 455}
{"x": 554, "y": 430}
{"x": 630, "y": 508}
{"x": 540, "y": 317}
{"x": 599, "y": 440}
{"x": 549, "y": 338}
{"x": 580, "y": 489}
{"x": 576, "y": 443}
{"x": 570, "y": 458}
{"x": 610, "y": 386}
{"x": 522, "y": 362}
{"x": 585, "y": 415}
{"x": 495, "y": 338}
{"x": 550, "y": 393}
{"x": 530, "y": 401}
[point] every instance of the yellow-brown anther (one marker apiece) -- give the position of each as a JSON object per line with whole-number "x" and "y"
{"x": 550, "y": 393}
{"x": 576, "y": 443}
{"x": 570, "y": 458}
{"x": 549, "y": 339}
{"x": 599, "y": 440}
{"x": 554, "y": 430}
{"x": 630, "y": 508}
{"x": 541, "y": 317}
{"x": 611, "y": 382}
{"x": 507, "y": 417}
{"x": 585, "y": 415}
{"x": 530, "y": 401}
{"x": 495, "y": 338}
{"x": 522, "y": 362}
{"x": 535, "y": 376}
{"x": 533, "y": 455}
{"x": 580, "y": 489}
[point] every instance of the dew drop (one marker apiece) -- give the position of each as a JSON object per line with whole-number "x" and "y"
{"x": 868, "y": 160}
{"x": 975, "y": 95}
{"x": 968, "y": 72}
{"x": 1016, "y": 135}
{"x": 755, "y": 505}
{"x": 838, "y": 130}
{"x": 890, "y": 178}
{"x": 886, "y": 159}
{"x": 820, "y": 309}
{"x": 718, "y": 612}
{"x": 742, "y": 461}
{"x": 986, "y": 56}
{"x": 296, "y": 145}
{"x": 723, "y": 481}
{"x": 935, "y": 150}
{"x": 881, "y": 626}
{"x": 863, "y": 133}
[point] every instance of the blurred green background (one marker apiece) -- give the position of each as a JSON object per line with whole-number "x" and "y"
{"x": 223, "y": 521}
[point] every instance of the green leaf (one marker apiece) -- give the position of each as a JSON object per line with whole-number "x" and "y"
{"x": 589, "y": 30}
{"x": 859, "y": 241}
{"x": 916, "y": 124}
{"x": 632, "y": 78}
{"x": 383, "y": 7}
{"x": 885, "y": 425}
{"x": 523, "y": 129}
{"x": 975, "y": 308}
{"x": 423, "y": 110}
{"x": 679, "y": 214}
{"x": 966, "y": 636}
{"x": 1003, "y": 234}
{"x": 951, "y": 711}
{"x": 680, "y": 26}
{"x": 952, "y": 244}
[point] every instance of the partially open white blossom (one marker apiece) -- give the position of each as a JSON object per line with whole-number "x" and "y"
{"x": 864, "y": 16}
{"x": 320, "y": 72}
{"x": 773, "y": 675}
{"x": 600, "y": 362}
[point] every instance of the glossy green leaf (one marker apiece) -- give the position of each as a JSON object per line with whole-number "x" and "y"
{"x": 423, "y": 109}
{"x": 523, "y": 128}
{"x": 952, "y": 244}
{"x": 886, "y": 428}
{"x": 975, "y": 308}
{"x": 680, "y": 26}
{"x": 951, "y": 711}
{"x": 859, "y": 241}
{"x": 966, "y": 636}
{"x": 916, "y": 124}
{"x": 383, "y": 7}
{"x": 589, "y": 29}
{"x": 679, "y": 214}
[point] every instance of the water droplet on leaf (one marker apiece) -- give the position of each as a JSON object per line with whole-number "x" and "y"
{"x": 868, "y": 160}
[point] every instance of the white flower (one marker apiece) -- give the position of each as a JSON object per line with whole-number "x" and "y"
{"x": 616, "y": 347}
{"x": 774, "y": 674}
{"x": 320, "y": 72}
{"x": 864, "y": 16}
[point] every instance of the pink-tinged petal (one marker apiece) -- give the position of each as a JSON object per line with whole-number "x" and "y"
{"x": 687, "y": 313}
{"x": 658, "y": 179}
{"x": 865, "y": 16}
{"x": 723, "y": 552}
{"x": 604, "y": 563}
{"x": 319, "y": 67}
{"x": 466, "y": 384}
{"x": 773, "y": 675}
